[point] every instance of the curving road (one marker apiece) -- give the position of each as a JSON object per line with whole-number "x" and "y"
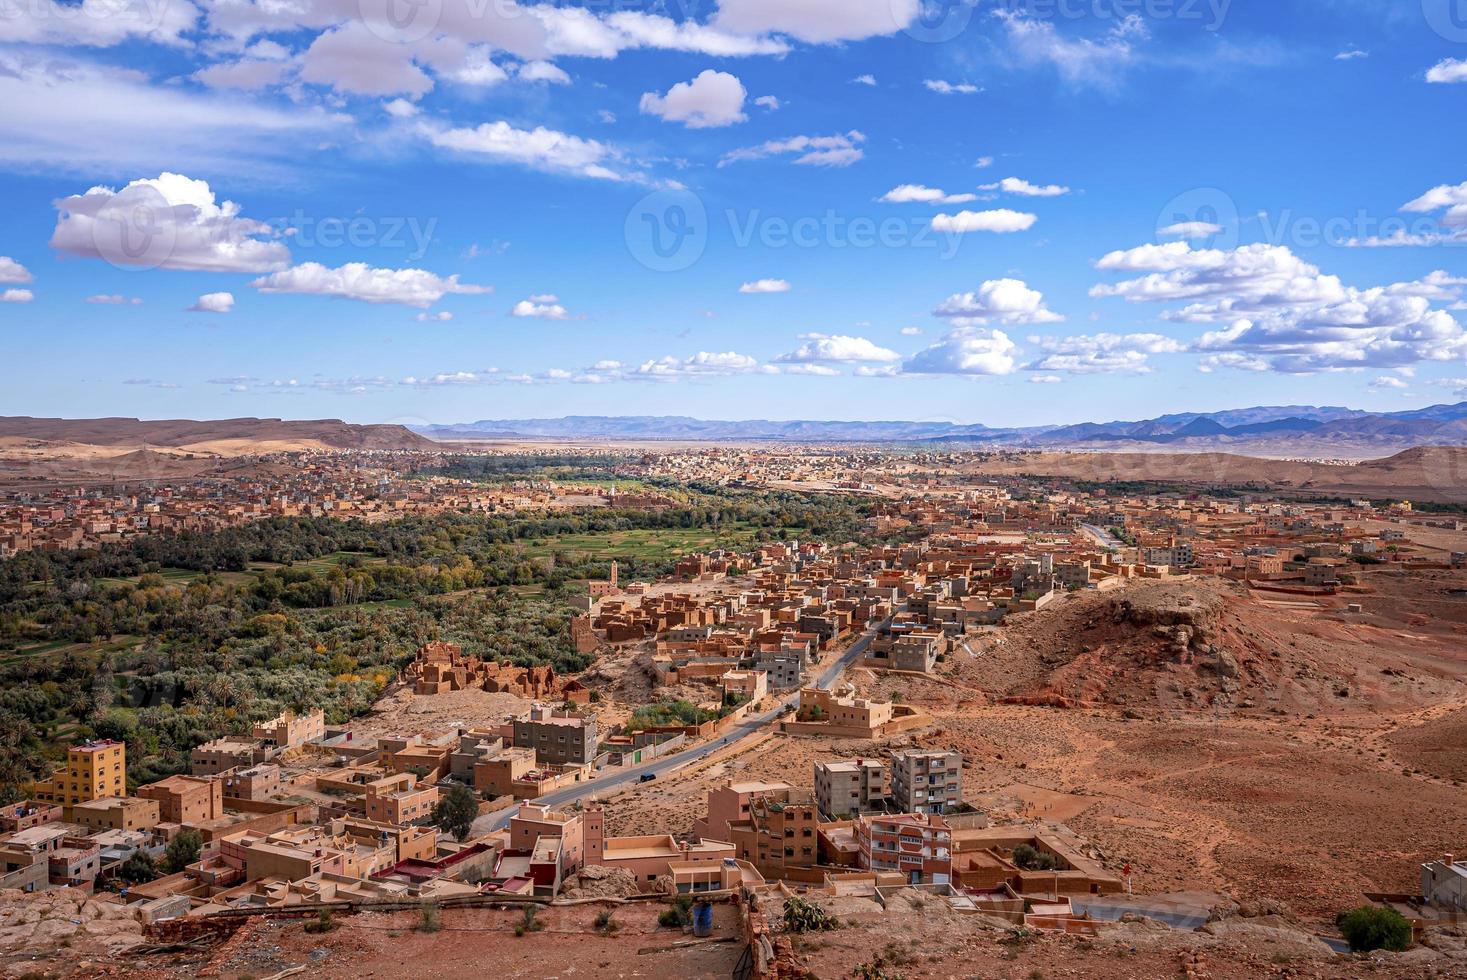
{"x": 600, "y": 785}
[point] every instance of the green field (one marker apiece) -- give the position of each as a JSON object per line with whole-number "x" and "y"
{"x": 651, "y": 545}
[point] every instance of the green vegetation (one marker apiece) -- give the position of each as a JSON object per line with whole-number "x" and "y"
{"x": 428, "y": 918}
{"x": 665, "y": 713}
{"x": 168, "y": 641}
{"x": 605, "y": 922}
{"x": 530, "y": 923}
{"x": 678, "y": 914}
{"x": 455, "y": 811}
{"x": 182, "y": 851}
{"x": 1031, "y": 858}
{"x": 1372, "y": 927}
{"x": 804, "y": 916}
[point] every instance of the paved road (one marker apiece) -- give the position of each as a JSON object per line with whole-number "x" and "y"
{"x": 602, "y": 785}
{"x": 1102, "y": 537}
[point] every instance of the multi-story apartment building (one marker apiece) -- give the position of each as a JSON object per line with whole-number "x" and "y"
{"x": 93, "y": 770}
{"x": 845, "y": 789}
{"x": 779, "y": 835}
{"x": 917, "y": 845}
{"x": 926, "y": 782}
{"x": 400, "y": 801}
{"x": 556, "y": 739}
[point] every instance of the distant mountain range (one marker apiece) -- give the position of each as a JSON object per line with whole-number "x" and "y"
{"x": 221, "y": 436}
{"x": 1294, "y": 430}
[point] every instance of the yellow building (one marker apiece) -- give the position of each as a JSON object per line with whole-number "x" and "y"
{"x": 93, "y": 770}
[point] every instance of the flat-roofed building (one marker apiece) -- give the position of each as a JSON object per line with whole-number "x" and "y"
{"x": 847, "y": 788}
{"x": 117, "y": 813}
{"x": 93, "y": 770}
{"x": 186, "y": 799}
{"x": 926, "y": 781}
{"x": 556, "y": 739}
{"x": 918, "y": 846}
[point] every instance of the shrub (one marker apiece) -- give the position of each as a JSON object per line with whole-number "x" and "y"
{"x": 1031, "y": 858}
{"x": 679, "y": 915}
{"x": 1372, "y": 927}
{"x": 605, "y": 922}
{"x": 803, "y": 916}
{"x": 323, "y": 923}
{"x": 530, "y": 923}
{"x": 429, "y": 919}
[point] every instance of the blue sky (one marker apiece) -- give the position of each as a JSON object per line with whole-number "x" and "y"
{"x": 1012, "y": 213}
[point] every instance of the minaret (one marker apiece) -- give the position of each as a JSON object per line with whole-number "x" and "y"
{"x": 613, "y": 573}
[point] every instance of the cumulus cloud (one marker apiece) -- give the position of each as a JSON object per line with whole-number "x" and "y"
{"x": 1022, "y": 188}
{"x": 1448, "y": 71}
{"x": 769, "y": 102}
{"x": 213, "y": 303}
{"x": 840, "y": 150}
{"x": 539, "y": 148}
{"x": 359, "y": 281}
{"x": 17, "y": 296}
{"x": 1102, "y": 353}
{"x": 542, "y": 71}
{"x": 910, "y": 331}
{"x": 765, "y": 286}
{"x": 813, "y": 370}
{"x": 442, "y": 316}
{"x": 1006, "y": 301}
{"x": 837, "y": 349}
{"x": 1447, "y": 198}
{"x": 1000, "y": 221}
{"x": 983, "y": 163}
{"x": 169, "y": 222}
{"x": 704, "y": 364}
{"x": 816, "y": 21}
{"x": 918, "y": 193}
{"x": 950, "y": 88}
{"x": 864, "y": 80}
{"x": 97, "y": 23}
{"x": 712, "y": 99}
{"x": 968, "y": 351}
{"x": 1386, "y": 381}
{"x": 12, "y": 271}
{"x": 1280, "y": 313}
{"x": 542, "y": 306}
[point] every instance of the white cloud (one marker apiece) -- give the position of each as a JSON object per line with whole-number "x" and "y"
{"x": 765, "y": 286}
{"x": 169, "y": 222}
{"x": 712, "y": 99}
{"x": 538, "y": 149}
{"x": 910, "y": 193}
{"x": 1045, "y": 379}
{"x": 17, "y": 296}
{"x": 1033, "y": 41}
{"x": 966, "y": 350}
{"x": 542, "y": 71}
{"x": 358, "y": 281}
{"x": 1102, "y": 353}
{"x": 213, "y": 303}
{"x": 473, "y": 67}
{"x": 816, "y": 21}
{"x": 769, "y": 102}
{"x": 840, "y": 150}
{"x": 1351, "y": 54}
{"x": 247, "y": 74}
{"x": 1386, "y": 381}
{"x": 542, "y": 306}
{"x": 1282, "y": 314}
{"x": 815, "y": 370}
{"x": 837, "y": 349}
{"x": 12, "y": 271}
{"x": 1191, "y": 229}
{"x": 97, "y": 23}
{"x": 911, "y": 331}
{"x": 703, "y": 364}
{"x": 1022, "y": 188}
{"x": 354, "y": 58}
{"x": 114, "y": 299}
{"x": 950, "y": 88}
{"x": 983, "y": 163}
{"x": 72, "y": 116}
{"x": 1448, "y": 71}
{"x": 1450, "y": 199}
{"x": 1001, "y": 221}
{"x": 1008, "y": 301}
{"x": 442, "y": 316}
{"x": 864, "y": 80}
{"x": 400, "y": 109}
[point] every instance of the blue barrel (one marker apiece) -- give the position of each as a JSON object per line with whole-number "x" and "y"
{"x": 703, "y": 919}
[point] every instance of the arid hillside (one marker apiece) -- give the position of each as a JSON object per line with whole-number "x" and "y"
{"x": 223, "y": 437}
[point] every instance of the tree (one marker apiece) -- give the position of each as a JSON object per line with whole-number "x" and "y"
{"x": 456, "y": 810}
{"x": 1372, "y": 927}
{"x": 138, "y": 869}
{"x": 183, "y": 850}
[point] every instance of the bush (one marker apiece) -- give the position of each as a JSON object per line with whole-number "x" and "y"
{"x": 323, "y": 923}
{"x": 803, "y": 916}
{"x": 679, "y": 915}
{"x": 429, "y": 920}
{"x": 1372, "y": 927}
{"x": 605, "y": 922}
{"x": 530, "y": 923}
{"x": 1032, "y": 859}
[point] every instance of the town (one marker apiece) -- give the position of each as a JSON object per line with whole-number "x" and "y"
{"x": 482, "y": 784}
